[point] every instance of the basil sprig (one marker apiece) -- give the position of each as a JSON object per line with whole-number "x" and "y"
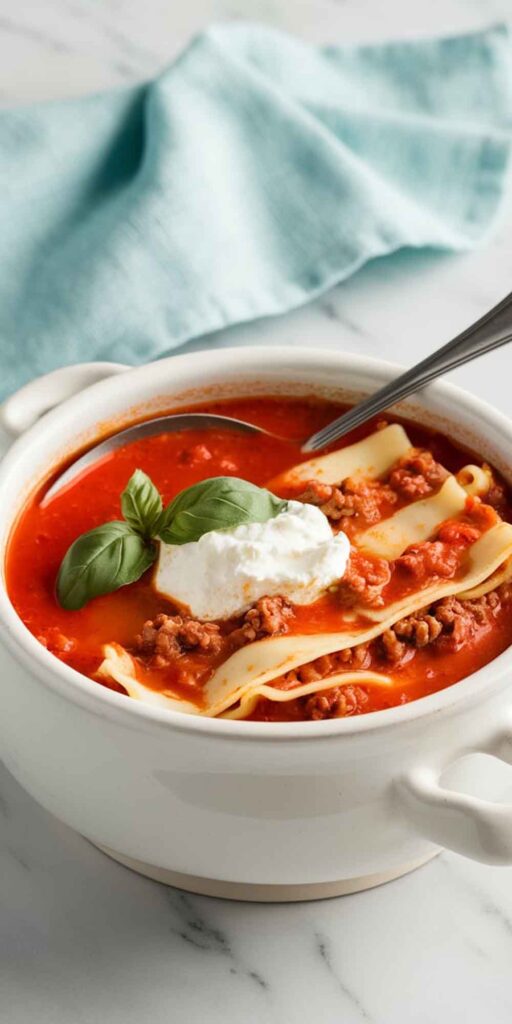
{"x": 100, "y": 561}
{"x": 119, "y": 552}
{"x": 141, "y": 504}
{"x": 217, "y": 504}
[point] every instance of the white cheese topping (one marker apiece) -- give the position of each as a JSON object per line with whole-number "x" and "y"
{"x": 226, "y": 571}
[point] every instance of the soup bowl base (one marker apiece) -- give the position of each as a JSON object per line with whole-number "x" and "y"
{"x": 247, "y": 892}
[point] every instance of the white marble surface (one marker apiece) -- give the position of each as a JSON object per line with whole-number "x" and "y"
{"x": 83, "y": 941}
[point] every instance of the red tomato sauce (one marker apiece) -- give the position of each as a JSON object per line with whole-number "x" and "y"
{"x": 42, "y": 535}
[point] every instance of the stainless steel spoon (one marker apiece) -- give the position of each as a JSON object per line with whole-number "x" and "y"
{"x": 492, "y": 330}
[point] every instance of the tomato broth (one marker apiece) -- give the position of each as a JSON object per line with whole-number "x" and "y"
{"x": 175, "y": 461}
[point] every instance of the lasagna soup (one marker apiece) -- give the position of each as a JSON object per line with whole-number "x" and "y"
{"x": 224, "y": 574}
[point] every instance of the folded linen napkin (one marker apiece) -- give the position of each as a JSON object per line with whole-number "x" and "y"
{"x": 251, "y": 175}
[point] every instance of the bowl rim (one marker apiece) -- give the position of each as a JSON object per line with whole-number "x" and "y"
{"x": 79, "y": 689}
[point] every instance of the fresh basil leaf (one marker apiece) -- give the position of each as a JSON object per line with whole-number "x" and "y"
{"x": 220, "y": 503}
{"x": 141, "y": 504}
{"x": 100, "y": 561}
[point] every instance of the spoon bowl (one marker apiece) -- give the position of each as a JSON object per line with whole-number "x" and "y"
{"x": 149, "y": 428}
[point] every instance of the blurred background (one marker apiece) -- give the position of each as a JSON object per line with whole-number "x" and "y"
{"x": 67, "y": 47}
{"x": 63, "y": 48}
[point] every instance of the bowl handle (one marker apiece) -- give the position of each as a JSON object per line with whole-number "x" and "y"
{"x": 476, "y": 828}
{"x": 22, "y": 409}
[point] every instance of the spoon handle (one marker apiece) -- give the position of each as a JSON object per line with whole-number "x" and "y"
{"x": 492, "y": 330}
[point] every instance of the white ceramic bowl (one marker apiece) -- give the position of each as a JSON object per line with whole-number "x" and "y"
{"x": 246, "y": 809}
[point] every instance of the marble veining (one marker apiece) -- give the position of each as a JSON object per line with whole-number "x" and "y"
{"x": 83, "y": 940}
{"x": 11, "y": 27}
{"x": 194, "y": 928}
{"x": 323, "y": 945}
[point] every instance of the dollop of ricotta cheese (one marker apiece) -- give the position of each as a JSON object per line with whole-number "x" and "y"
{"x": 226, "y": 571}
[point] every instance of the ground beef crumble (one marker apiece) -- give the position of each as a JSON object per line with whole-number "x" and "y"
{"x": 353, "y": 659}
{"x": 354, "y": 497}
{"x": 270, "y": 616}
{"x": 441, "y": 557}
{"x": 417, "y": 474}
{"x": 164, "y": 639}
{"x": 496, "y": 495}
{"x": 338, "y": 702}
{"x": 504, "y": 592}
{"x": 480, "y": 513}
{"x": 431, "y": 558}
{"x": 454, "y": 531}
{"x": 364, "y": 580}
{"x": 450, "y": 622}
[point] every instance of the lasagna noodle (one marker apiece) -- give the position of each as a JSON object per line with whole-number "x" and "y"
{"x": 476, "y": 480}
{"x": 502, "y": 575}
{"x": 260, "y": 662}
{"x": 360, "y": 678}
{"x": 414, "y": 523}
{"x": 248, "y": 671}
{"x": 119, "y": 665}
{"x": 372, "y": 457}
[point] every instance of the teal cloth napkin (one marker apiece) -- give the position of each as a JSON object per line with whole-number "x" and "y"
{"x": 254, "y": 173}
